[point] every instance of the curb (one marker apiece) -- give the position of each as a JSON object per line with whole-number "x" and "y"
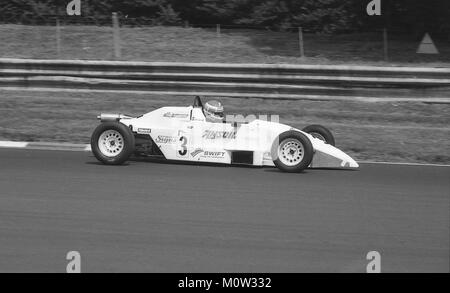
{"x": 57, "y": 146}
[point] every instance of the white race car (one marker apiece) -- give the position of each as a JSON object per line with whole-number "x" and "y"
{"x": 183, "y": 134}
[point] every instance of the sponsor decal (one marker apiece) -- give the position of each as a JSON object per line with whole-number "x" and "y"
{"x": 196, "y": 152}
{"x": 166, "y": 139}
{"x": 144, "y": 130}
{"x": 175, "y": 115}
{"x": 210, "y": 134}
{"x": 207, "y": 154}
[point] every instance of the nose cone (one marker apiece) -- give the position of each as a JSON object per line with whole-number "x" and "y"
{"x": 350, "y": 164}
{"x": 328, "y": 156}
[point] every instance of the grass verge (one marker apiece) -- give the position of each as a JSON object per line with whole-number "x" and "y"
{"x": 203, "y": 45}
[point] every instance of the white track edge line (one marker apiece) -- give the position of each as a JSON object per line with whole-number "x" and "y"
{"x": 87, "y": 148}
{"x": 238, "y": 95}
{"x": 403, "y": 163}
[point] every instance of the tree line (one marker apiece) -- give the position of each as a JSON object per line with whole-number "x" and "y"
{"x": 321, "y": 16}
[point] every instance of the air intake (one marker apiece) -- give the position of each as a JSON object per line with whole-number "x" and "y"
{"x": 242, "y": 157}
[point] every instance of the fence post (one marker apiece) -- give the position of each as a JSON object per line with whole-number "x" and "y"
{"x": 116, "y": 35}
{"x": 385, "y": 45}
{"x": 58, "y": 38}
{"x": 219, "y": 42}
{"x": 300, "y": 42}
{"x": 218, "y": 30}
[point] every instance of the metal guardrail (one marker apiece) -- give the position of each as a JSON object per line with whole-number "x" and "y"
{"x": 252, "y": 80}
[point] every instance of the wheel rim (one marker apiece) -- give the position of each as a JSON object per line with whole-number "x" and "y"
{"x": 318, "y": 135}
{"x": 291, "y": 152}
{"x": 110, "y": 143}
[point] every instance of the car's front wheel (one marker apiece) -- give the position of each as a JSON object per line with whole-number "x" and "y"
{"x": 112, "y": 143}
{"x": 292, "y": 151}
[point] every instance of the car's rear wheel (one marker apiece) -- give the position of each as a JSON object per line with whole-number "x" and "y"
{"x": 320, "y": 132}
{"x": 292, "y": 151}
{"x": 112, "y": 143}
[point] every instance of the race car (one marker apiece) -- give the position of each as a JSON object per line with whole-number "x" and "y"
{"x": 184, "y": 134}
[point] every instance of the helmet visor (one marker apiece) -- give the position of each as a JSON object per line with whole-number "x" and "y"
{"x": 218, "y": 115}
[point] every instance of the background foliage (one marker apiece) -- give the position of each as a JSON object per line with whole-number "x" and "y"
{"x": 314, "y": 15}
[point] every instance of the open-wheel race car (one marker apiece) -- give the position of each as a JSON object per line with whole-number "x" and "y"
{"x": 184, "y": 134}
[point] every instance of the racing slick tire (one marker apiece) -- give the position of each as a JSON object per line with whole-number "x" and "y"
{"x": 292, "y": 151}
{"x": 112, "y": 143}
{"x": 320, "y": 132}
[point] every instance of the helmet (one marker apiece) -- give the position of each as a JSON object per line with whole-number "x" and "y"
{"x": 213, "y": 111}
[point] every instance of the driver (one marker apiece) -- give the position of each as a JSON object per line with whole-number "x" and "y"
{"x": 214, "y": 111}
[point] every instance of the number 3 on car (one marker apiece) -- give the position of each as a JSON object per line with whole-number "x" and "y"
{"x": 182, "y": 149}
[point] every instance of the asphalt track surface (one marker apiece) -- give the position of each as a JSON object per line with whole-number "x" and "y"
{"x": 153, "y": 217}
